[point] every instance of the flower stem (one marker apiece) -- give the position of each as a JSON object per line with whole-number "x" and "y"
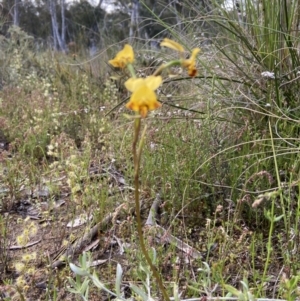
{"x": 131, "y": 70}
{"x": 137, "y": 151}
{"x": 166, "y": 66}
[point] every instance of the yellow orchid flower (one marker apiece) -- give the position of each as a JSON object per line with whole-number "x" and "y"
{"x": 143, "y": 98}
{"x": 171, "y": 44}
{"x": 190, "y": 64}
{"x": 123, "y": 57}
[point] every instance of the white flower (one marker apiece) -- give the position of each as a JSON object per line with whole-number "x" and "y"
{"x": 268, "y": 74}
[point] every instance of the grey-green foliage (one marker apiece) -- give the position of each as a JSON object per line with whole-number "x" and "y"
{"x": 84, "y": 278}
{"x": 16, "y": 55}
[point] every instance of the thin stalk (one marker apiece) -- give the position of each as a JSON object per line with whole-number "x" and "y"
{"x": 286, "y": 223}
{"x": 272, "y": 217}
{"x": 137, "y": 157}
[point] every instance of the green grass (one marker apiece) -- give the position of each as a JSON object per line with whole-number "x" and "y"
{"x": 222, "y": 142}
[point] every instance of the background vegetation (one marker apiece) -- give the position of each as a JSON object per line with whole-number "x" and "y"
{"x": 222, "y": 154}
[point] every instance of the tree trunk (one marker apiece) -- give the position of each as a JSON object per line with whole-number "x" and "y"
{"x": 134, "y": 24}
{"x": 63, "y": 25}
{"x": 58, "y": 40}
{"x": 16, "y": 17}
{"x": 100, "y": 3}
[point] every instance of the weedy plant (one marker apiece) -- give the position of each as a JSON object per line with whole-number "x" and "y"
{"x": 143, "y": 99}
{"x": 83, "y": 278}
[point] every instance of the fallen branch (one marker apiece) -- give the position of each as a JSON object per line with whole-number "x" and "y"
{"x": 26, "y": 246}
{"x": 153, "y": 212}
{"x": 164, "y": 235}
{"x": 161, "y": 234}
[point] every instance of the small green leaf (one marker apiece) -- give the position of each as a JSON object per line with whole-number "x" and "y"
{"x": 139, "y": 292}
{"x": 118, "y": 279}
{"x": 77, "y": 270}
{"x": 278, "y": 218}
{"x": 232, "y": 290}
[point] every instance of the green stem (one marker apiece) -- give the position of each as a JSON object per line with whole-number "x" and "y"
{"x": 131, "y": 70}
{"x": 272, "y": 217}
{"x": 136, "y": 158}
{"x": 166, "y": 66}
